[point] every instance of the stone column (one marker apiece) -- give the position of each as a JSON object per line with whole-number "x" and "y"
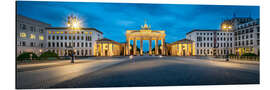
{"x": 128, "y": 47}
{"x": 141, "y": 51}
{"x": 156, "y": 47}
{"x": 150, "y": 47}
{"x": 134, "y": 46}
{"x": 101, "y": 49}
{"x": 162, "y": 45}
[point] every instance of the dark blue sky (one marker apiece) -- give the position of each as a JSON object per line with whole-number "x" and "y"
{"x": 113, "y": 19}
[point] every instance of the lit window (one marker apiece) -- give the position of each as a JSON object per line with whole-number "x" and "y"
{"x": 23, "y": 35}
{"x": 62, "y": 32}
{"x": 49, "y": 32}
{"x": 57, "y": 32}
{"x": 41, "y": 38}
{"x": 32, "y": 36}
{"x": 86, "y": 32}
{"x": 90, "y": 33}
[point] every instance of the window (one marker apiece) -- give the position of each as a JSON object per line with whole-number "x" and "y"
{"x": 247, "y": 42}
{"x": 251, "y": 35}
{"x": 65, "y": 37}
{"x": 90, "y": 44}
{"x": 49, "y": 44}
{"x": 41, "y": 37}
{"x": 258, "y": 42}
{"x": 82, "y": 44}
{"x": 23, "y": 35}
{"x": 251, "y": 42}
{"x": 78, "y": 44}
{"x": 49, "y": 37}
{"x": 197, "y": 44}
{"x": 81, "y": 37}
{"x": 61, "y": 37}
{"x": 23, "y": 43}
{"x": 78, "y": 38}
{"x": 69, "y": 37}
{"x": 31, "y": 44}
{"x": 57, "y": 37}
{"x": 65, "y": 44}
{"x": 207, "y": 38}
{"x": 207, "y": 44}
{"x": 53, "y": 44}
{"x": 86, "y": 44}
{"x": 200, "y": 44}
{"x": 53, "y": 37}
{"x": 61, "y": 45}
{"x": 23, "y": 26}
{"x": 32, "y": 36}
{"x": 258, "y": 29}
{"x": 41, "y": 30}
{"x": 57, "y": 44}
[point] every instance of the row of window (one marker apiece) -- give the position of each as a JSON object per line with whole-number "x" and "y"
{"x": 62, "y": 44}
{"x": 32, "y": 44}
{"x": 246, "y": 31}
{"x": 247, "y": 25}
{"x": 247, "y": 37}
{"x": 82, "y": 52}
{"x": 32, "y": 28}
{"x": 86, "y": 38}
{"x": 210, "y": 52}
{"x": 70, "y": 32}
{"x": 212, "y": 33}
{"x": 210, "y": 39}
{"x": 31, "y": 36}
{"x": 247, "y": 42}
{"x": 212, "y": 45}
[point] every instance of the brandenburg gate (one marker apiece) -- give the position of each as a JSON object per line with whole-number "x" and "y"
{"x": 145, "y": 33}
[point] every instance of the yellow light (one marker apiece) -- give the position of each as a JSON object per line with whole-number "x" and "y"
{"x": 40, "y": 50}
{"x": 86, "y": 32}
{"x": 224, "y": 26}
{"x": 32, "y": 36}
{"x": 41, "y": 37}
{"x": 49, "y": 32}
{"x": 230, "y": 27}
{"x": 62, "y": 32}
{"x": 23, "y": 35}
{"x": 57, "y": 32}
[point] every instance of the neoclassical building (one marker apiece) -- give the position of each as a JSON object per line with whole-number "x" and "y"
{"x": 145, "y": 33}
{"x": 107, "y": 47}
{"x": 30, "y": 35}
{"x": 183, "y": 47}
{"x": 60, "y": 39}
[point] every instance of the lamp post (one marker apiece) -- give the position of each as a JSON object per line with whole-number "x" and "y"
{"x": 73, "y": 24}
{"x": 227, "y": 28}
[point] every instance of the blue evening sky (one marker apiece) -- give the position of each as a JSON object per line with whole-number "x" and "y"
{"x": 113, "y": 19}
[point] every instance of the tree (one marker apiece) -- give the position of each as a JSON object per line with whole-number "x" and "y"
{"x": 27, "y": 56}
{"x": 49, "y": 55}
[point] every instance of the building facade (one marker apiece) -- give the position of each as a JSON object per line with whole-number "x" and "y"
{"x": 184, "y": 47}
{"x": 30, "y": 35}
{"x": 247, "y": 37}
{"x": 107, "y": 47}
{"x": 212, "y": 42}
{"x": 60, "y": 39}
{"x": 145, "y": 33}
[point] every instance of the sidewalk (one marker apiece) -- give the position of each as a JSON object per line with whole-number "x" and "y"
{"x": 236, "y": 61}
{"x": 50, "y": 76}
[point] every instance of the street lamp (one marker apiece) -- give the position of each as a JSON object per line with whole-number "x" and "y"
{"x": 227, "y": 28}
{"x": 73, "y": 24}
